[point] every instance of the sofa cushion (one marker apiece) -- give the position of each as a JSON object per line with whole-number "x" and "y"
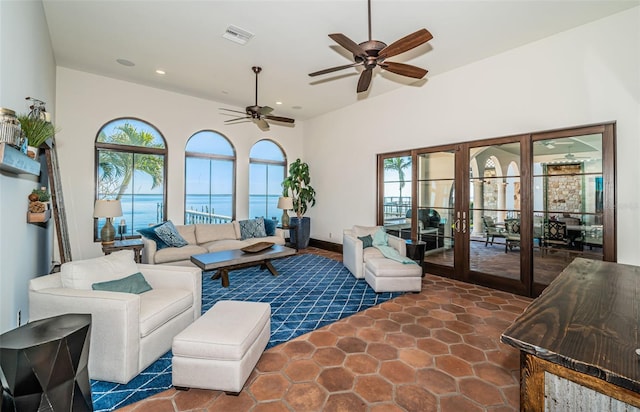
{"x": 252, "y": 228}
{"x": 158, "y": 306}
{"x": 172, "y": 254}
{"x": 371, "y": 253}
{"x": 360, "y": 231}
{"x": 135, "y": 283}
{"x": 208, "y": 232}
{"x": 188, "y": 233}
{"x": 81, "y": 274}
{"x": 150, "y": 233}
{"x": 278, "y": 240}
{"x": 225, "y": 244}
{"x": 169, "y": 235}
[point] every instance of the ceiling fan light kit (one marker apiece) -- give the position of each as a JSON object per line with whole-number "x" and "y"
{"x": 257, "y": 114}
{"x": 372, "y": 53}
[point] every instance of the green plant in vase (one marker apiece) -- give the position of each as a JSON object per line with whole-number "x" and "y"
{"x": 297, "y": 186}
{"x": 36, "y": 130}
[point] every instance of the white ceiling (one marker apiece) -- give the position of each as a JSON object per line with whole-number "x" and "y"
{"x": 184, "y": 38}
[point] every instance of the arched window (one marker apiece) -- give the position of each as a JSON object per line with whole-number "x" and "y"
{"x": 130, "y": 158}
{"x": 267, "y": 166}
{"x": 209, "y": 190}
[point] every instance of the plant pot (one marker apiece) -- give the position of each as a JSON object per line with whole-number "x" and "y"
{"x": 32, "y": 152}
{"x": 301, "y": 234}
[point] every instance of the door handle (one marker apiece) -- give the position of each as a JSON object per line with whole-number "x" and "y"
{"x": 456, "y": 225}
{"x": 464, "y": 222}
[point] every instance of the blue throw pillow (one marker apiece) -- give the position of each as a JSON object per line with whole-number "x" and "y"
{"x": 367, "y": 241}
{"x": 252, "y": 228}
{"x": 150, "y": 234}
{"x": 169, "y": 235}
{"x": 135, "y": 283}
{"x": 270, "y": 227}
{"x": 380, "y": 238}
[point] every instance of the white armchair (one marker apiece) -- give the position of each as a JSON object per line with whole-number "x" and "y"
{"x": 128, "y": 331}
{"x": 354, "y": 255}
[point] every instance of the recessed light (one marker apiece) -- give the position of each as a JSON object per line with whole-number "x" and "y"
{"x": 225, "y": 92}
{"x": 126, "y": 62}
{"x": 278, "y": 102}
{"x": 296, "y": 107}
{"x": 160, "y": 71}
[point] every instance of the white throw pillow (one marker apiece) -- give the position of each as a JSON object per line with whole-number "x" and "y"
{"x": 81, "y": 274}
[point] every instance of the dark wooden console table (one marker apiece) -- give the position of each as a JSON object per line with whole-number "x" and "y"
{"x": 578, "y": 339}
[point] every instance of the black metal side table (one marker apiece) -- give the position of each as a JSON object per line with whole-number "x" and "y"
{"x": 44, "y": 365}
{"x": 415, "y": 251}
{"x": 288, "y": 240}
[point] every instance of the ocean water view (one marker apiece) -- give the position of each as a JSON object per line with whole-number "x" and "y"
{"x": 148, "y": 209}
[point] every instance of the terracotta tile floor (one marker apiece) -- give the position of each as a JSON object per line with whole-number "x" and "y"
{"x": 437, "y": 350}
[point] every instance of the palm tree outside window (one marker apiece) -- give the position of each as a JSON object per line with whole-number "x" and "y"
{"x": 130, "y": 158}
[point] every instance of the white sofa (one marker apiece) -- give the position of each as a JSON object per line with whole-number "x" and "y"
{"x": 128, "y": 331}
{"x": 354, "y": 256}
{"x": 203, "y": 238}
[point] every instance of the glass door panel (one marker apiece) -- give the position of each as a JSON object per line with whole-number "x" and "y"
{"x": 494, "y": 210}
{"x": 435, "y": 206}
{"x": 396, "y": 195}
{"x": 568, "y": 203}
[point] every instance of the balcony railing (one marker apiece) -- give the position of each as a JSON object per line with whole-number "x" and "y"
{"x": 193, "y": 216}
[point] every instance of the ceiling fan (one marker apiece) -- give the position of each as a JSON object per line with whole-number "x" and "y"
{"x": 570, "y": 157}
{"x": 372, "y": 53}
{"x": 257, "y": 114}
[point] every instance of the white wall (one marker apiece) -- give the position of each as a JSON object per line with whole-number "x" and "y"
{"x": 587, "y": 75}
{"x": 27, "y": 68}
{"x": 86, "y": 102}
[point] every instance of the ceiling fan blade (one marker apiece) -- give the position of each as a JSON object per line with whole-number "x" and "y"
{"x": 262, "y": 124}
{"x": 365, "y": 80}
{"x": 406, "y": 43}
{"x": 349, "y": 44}
{"x": 334, "y": 69}
{"x": 237, "y": 119}
{"x": 235, "y": 111}
{"x": 280, "y": 119}
{"x": 404, "y": 69}
{"x": 265, "y": 110}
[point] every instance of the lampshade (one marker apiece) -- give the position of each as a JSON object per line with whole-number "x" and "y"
{"x": 107, "y": 208}
{"x": 285, "y": 203}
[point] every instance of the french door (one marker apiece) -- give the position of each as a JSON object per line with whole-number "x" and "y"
{"x": 488, "y": 210}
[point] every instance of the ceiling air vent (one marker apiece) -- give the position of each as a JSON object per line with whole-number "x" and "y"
{"x": 238, "y": 35}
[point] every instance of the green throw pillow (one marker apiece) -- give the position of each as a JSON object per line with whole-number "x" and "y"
{"x": 135, "y": 283}
{"x": 367, "y": 241}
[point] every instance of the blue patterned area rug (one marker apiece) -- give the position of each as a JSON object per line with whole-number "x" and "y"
{"x": 311, "y": 291}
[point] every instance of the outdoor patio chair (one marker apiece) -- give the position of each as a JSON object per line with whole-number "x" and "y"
{"x": 512, "y": 234}
{"x": 491, "y": 230}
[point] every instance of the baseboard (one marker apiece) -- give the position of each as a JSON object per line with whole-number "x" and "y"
{"x": 323, "y": 244}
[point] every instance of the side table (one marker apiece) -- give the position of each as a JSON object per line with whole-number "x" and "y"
{"x": 131, "y": 244}
{"x": 415, "y": 251}
{"x": 44, "y": 365}
{"x": 288, "y": 240}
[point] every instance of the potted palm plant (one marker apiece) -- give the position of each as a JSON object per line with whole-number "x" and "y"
{"x": 37, "y": 131}
{"x": 297, "y": 186}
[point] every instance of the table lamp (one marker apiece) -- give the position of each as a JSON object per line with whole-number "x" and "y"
{"x": 285, "y": 203}
{"x": 107, "y": 209}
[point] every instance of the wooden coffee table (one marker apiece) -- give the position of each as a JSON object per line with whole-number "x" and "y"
{"x": 227, "y": 260}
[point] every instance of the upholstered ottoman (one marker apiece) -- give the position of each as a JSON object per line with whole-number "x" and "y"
{"x": 221, "y": 348}
{"x": 387, "y": 275}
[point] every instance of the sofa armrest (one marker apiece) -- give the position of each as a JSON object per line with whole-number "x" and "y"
{"x": 176, "y": 277}
{"x": 398, "y": 244}
{"x": 115, "y": 326}
{"x": 352, "y": 254}
{"x": 148, "y": 251}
